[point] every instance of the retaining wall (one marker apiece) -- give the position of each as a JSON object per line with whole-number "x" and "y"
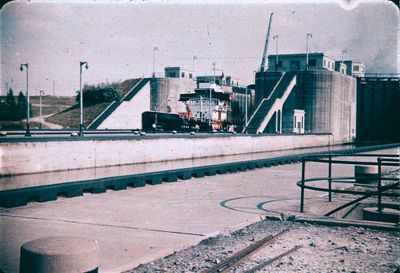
{"x": 74, "y": 153}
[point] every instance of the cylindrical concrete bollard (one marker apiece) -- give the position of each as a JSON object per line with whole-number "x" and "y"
{"x": 366, "y": 174}
{"x": 60, "y": 254}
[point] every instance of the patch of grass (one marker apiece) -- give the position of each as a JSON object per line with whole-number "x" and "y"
{"x": 125, "y": 86}
{"x": 70, "y": 118}
{"x": 50, "y": 104}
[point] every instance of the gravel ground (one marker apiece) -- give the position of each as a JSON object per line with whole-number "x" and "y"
{"x": 324, "y": 249}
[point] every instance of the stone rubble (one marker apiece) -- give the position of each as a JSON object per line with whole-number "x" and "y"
{"x": 324, "y": 249}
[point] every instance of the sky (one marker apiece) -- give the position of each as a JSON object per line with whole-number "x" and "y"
{"x": 117, "y": 38}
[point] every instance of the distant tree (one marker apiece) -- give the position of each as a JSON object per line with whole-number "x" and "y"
{"x": 102, "y": 92}
{"x": 10, "y": 109}
{"x": 10, "y": 99}
{"x": 21, "y": 106}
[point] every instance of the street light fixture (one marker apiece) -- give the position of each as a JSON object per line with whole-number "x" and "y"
{"x": 343, "y": 52}
{"x": 81, "y": 96}
{"x": 154, "y": 60}
{"x": 41, "y": 93}
{"x": 28, "y": 132}
{"x": 245, "y": 115}
{"x": 276, "y": 37}
{"x": 309, "y": 35}
{"x": 194, "y": 59}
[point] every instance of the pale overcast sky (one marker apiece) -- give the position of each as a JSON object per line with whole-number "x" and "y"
{"x": 117, "y": 38}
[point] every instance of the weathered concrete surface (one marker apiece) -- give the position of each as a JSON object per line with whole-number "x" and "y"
{"x": 141, "y": 224}
{"x": 59, "y": 254}
{"x": 42, "y": 156}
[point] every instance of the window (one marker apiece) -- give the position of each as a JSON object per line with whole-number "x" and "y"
{"x": 356, "y": 68}
{"x": 295, "y": 65}
{"x": 312, "y": 62}
{"x": 190, "y": 75}
{"x": 183, "y": 74}
{"x": 172, "y": 75}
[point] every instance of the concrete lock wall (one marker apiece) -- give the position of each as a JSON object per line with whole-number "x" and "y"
{"x": 44, "y": 156}
{"x": 329, "y": 101}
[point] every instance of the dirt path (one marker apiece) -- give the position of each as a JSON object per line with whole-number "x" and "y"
{"x": 48, "y": 124}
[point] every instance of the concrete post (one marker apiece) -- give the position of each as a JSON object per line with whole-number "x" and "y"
{"x": 59, "y": 254}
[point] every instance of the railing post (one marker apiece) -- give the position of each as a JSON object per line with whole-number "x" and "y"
{"x": 303, "y": 172}
{"x": 330, "y": 177}
{"x": 379, "y": 184}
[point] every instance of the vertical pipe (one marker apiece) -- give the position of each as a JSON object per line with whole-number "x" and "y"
{"x": 303, "y": 172}
{"x": 330, "y": 177}
{"x": 379, "y": 184}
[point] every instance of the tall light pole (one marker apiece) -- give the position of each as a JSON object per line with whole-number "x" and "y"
{"x": 27, "y": 132}
{"x": 194, "y": 59}
{"x": 378, "y": 68}
{"x": 154, "y": 60}
{"x": 276, "y": 37}
{"x": 41, "y": 92}
{"x": 309, "y": 35}
{"x": 81, "y": 96}
{"x": 343, "y": 52}
{"x": 245, "y": 114}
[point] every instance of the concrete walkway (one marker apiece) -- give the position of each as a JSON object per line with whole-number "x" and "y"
{"x": 139, "y": 225}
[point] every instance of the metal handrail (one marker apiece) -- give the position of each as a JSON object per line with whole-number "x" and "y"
{"x": 382, "y": 160}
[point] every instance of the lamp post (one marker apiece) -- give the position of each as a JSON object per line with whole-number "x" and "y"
{"x": 81, "y": 97}
{"x": 194, "y": 59}
{"x": 378, "y": 68}
{"x": 154, "y": 60}
{"x": 276, "y": 37}
{"x": 41, "y": 92}
{"x": 309, "y": 35}
{"x": 245, "y": 114}
{"x": 343, "y": 52}
{"x": 28, "y": 132}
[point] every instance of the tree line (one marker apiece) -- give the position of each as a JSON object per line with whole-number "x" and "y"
{"x": 13, "y": 109}
{"x": 102, "y": 92}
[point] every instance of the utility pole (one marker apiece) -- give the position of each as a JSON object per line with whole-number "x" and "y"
{"x": 309, "y": 35}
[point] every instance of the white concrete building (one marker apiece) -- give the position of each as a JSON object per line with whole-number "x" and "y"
{"x": 297, "y": 62}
